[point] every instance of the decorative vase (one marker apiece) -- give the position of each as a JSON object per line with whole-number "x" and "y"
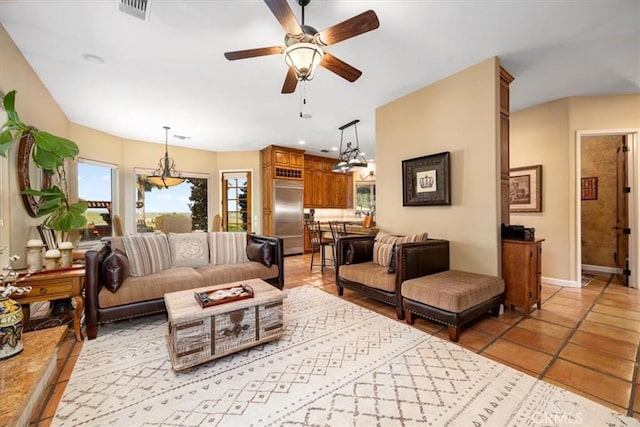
{"x": 66, "y": 254}
{"x": 10, "y": 328}
{"x": 52, "y": 259}
{"x": 34, "y": 255}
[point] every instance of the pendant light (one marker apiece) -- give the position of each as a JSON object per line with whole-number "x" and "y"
{"x": 350, "y": 159}
{"x": 166, "y": 175}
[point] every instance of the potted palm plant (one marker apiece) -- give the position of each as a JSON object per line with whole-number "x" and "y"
{"x": 49, "y": 154}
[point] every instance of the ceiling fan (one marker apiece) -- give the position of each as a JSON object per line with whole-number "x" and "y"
{"x": 304, "y": 45}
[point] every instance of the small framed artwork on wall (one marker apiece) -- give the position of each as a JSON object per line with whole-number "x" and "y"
{"x": 426, "y": 180}
{"x": 589, "y": 188}
{"x": 525, "y": 189}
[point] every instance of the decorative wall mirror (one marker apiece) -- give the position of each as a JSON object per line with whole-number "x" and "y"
{"x": 30, "y": 176}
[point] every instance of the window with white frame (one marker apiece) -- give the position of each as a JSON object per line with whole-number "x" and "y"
{"x": 97, "y": 187}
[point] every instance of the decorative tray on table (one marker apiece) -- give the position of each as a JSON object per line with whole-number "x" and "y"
{"x": 223, "y": 296}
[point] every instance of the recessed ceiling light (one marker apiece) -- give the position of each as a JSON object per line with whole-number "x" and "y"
{"x": 334, "y": 148}
{"x": 93, "y": 58}
{"x": 301, "y": 142}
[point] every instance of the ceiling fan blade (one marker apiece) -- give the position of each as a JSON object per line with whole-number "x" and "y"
{"x": 250, "y": 53}
{"x": 290, "y": 82}
{"x": 352, "y": 27}
{"x": 340, "y": 67}
{"x": 285, "y": 16}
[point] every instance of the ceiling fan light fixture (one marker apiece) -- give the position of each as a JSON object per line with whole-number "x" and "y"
{"x": 303, "y": 58}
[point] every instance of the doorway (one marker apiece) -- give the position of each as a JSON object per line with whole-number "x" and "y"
{"x": 605, "y": 206}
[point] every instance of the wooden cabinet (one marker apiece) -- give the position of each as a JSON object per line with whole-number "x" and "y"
{"x": 277, "y": 163}
{"x": 505, "y": 80}
{"x": 324, "y": 188}
{"x": 522, "y": 273}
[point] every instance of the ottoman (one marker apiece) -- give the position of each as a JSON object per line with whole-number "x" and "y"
{"x": 452, "y": 297}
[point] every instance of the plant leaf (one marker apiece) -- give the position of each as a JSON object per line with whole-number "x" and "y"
{"x": 9, "y": 104}
{"x": 46, "y": 159}
{"x": 61, "y": 146}
{"x": 6, "y": 142}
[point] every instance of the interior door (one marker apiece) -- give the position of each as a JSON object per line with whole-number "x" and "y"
{"x": 622, "y": 221}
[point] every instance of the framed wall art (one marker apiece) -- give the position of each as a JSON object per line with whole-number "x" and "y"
{"x": 525, "y": 189}
{"x": 426, "y": 180}
{"x": 589, "y": 188}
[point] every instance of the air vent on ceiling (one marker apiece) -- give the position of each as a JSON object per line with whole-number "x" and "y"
{"x": 137, "y": 8}
{"x": 324, "y": 150}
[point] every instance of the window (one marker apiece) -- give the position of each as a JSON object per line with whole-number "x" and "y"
{"x": 96, "y": 185}
{"x": 236, "y": 201}
{"x": 178, "y": 209}
{"x": 365, "y": 198}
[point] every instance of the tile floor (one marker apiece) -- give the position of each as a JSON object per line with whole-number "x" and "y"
{"x": 585, "y": 340}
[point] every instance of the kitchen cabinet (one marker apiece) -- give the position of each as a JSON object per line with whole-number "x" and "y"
{"x": 324, "y": 188}
{"x": 522, "y": 273}
{"x": 278, "y": 163}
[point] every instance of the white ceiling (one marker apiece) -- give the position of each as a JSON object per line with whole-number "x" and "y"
{"x": 170, "y": 70}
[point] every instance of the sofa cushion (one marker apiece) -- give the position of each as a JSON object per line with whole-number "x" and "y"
{"x": 418, "y": 237}
{"x": 452, "y": 290}
{"x": 383, "y": 237}
{"x": 226, "y": 273}
{"x": 151, "y": 286}
{"x": 370, "y": 274}
{"x": 115, "y": 270}
{"x": 261, "y": 252}
{"x": 382, "y": 253}
{"x": 147, "y": 253}
{"x": 228, "y": 247}
{"x": 189, "y": 249}
{"x": 359, "y": 251}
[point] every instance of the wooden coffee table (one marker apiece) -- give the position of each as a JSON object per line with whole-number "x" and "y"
{"x": 197, "y": 335}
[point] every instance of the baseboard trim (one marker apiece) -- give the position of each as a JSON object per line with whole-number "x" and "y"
{"x": 601, "y": 269}
{"x": 561, "y": 282}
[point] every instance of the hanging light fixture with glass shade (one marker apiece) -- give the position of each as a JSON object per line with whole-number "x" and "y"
{"x": 350, "y": 159}
{"x": 166, "y": 175}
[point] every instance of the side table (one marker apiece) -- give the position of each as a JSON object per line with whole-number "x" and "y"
{"x": 51, "y": 285}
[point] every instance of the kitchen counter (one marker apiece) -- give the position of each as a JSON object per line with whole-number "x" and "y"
{"x": 351, "y": 229}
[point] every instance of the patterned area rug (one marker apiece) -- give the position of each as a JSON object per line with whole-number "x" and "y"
{"x": 338, "y": 364}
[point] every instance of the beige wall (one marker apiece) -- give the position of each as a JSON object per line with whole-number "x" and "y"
{"x": 458, "y": 114}
{"x": 546, "y": 134}
{"x": 36, "y": 107}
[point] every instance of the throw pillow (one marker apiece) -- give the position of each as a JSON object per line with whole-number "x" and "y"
{"x": 261, "y": 252}
{"x": 359, "y": 251}
{"x": 228, "y": 247}
{"x": 383, "y": 237}
{"x": 418, "y": 237}
{"x": 382, "y": 253}
{"x": 115, "y": 270}
{"x": 392, "y": 261}
{"x": 147, "y": 254}
{"x": 189, "y": 249}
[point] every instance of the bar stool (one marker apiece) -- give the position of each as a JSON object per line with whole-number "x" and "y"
{"x": 318, "y": 243}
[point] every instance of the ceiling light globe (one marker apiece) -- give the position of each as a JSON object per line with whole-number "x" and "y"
{"x": 304, "y": 58}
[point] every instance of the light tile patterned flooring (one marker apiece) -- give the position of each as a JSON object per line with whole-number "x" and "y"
{"x": 585, "y": 340}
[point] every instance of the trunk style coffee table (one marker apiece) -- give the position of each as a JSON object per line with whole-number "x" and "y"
{"x": 197, "y": 335}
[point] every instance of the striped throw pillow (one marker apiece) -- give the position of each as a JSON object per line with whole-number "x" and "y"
{"x": 228, "y": 247}
{"x": 419, "y": 237}
{"x": 382, "y": 253}
{"x": 147, "y": 254}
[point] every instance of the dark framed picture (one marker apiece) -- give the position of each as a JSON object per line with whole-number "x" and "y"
{"x": 590, "y": 188}
{"x": 525, "y": 189}
{"x": 426, "y": 180}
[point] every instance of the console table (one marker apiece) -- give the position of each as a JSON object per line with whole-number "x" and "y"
{"x": 51, "y": 285}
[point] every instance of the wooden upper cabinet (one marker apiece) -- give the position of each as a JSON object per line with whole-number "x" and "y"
{"x": 296, "y": 160}
{"x": 324, "y": 188}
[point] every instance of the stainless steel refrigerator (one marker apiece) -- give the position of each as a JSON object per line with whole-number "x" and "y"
{"x": 288, "y": 214}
